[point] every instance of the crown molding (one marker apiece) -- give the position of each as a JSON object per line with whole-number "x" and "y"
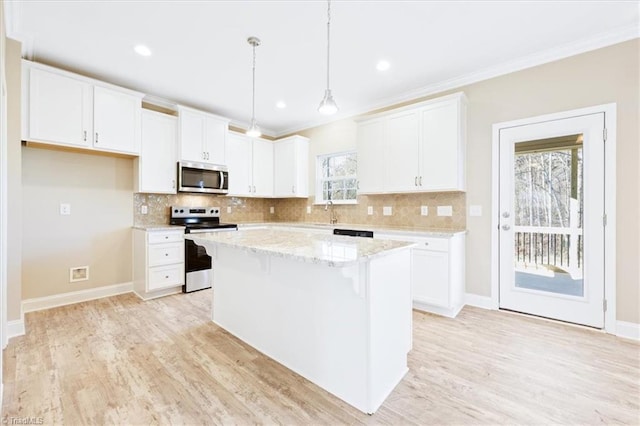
{"x": 598, "y": 41}
{"x": 13, "y": 21}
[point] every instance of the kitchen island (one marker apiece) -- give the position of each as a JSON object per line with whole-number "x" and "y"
{"x": 334, "y": 309}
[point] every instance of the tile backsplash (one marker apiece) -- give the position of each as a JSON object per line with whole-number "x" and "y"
{"x": 405, "y": 209}
{"x": 159, "y": 206}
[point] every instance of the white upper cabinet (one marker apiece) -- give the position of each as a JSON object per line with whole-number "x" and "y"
{"x": 202, "y": 136}
{"x": 62, "y": 108}
{"x": 403, "y": 130}
{"x": 155, "y": 169}
{"x": 116, "y": 121}
{"x": 250, "y": 163}
{"x": 291, "y": 167}
{"x": 418, "y": 148}
{"x": 59, "y": 109}
{"x": 262, "y": 169}
{"x": 443, "y": 146}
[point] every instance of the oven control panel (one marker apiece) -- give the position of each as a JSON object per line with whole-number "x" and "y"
{"x": 190, "y": 212}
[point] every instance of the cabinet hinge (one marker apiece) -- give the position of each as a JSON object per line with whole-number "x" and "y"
{"x": 604, "y": 219}
{"x": 604, "y": 305}
{"x": 604, "y": 134}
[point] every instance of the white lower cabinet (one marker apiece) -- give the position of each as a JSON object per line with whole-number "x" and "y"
{"x": 437, "y": 273}
{"x": 158, "y": 262}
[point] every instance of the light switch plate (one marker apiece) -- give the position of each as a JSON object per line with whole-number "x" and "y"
{"x": 228, "y": 209}
{"x": 387, "y": 211}
{"x": 308, "y": 209}
{"x": 65, "y": 209}
{"x": 424, "y": 210}
{"x": 272, "y": 210}
{"x": 445, "y": 211}
{"x": 475, "y": 210}
{"x": 144, "y": 209}
{"x": 370, "y": 210}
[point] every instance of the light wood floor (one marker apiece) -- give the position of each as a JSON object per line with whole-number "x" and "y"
{"x": 123, "y": 361}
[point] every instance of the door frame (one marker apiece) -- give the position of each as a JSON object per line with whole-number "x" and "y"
{"x": 609, "y": 111}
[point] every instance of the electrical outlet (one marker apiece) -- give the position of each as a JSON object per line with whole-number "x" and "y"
{"x": 387, "y": 211}
{"x": 475, "y": 210}
{"x": 65, "y": 209}
{"x": 445, "y": 211}
{"x": 144, "y": 209}
{"x": 370, "y": 210}
{"x": 308, "y": 209}
{"x": 228, "y": 209}
{"x": 424, "y": 210}
{"x": 272, "y": 210}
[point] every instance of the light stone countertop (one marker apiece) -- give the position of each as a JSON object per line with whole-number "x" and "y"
{"x": 400, "y": 232}
{"x": 331, "y": 250}
{"x": 159, "y": 227}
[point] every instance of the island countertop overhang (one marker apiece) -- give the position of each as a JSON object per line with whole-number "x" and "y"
{"x": 329, "y": 250}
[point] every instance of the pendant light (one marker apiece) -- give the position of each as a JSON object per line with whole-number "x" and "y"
{"x": 328, "y": 106}
{"x": 254, "y": 130}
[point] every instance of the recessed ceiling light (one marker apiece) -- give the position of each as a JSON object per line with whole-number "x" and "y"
{"x": 383, "y": 66}
{"x": 142, "y": 50}
{"x": 281, "y": 104}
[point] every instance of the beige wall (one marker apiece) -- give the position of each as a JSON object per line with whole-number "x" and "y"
{"x": 14, "y": 182}
{"x": 602, "y": 76}
{"x": 98, "y": 231}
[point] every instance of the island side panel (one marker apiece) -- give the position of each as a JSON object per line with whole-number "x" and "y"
{"x": 390, "y": 323}
{"x": 311, "y": 318}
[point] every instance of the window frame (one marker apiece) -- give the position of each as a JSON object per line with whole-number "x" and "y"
{"x": 319, "y": 198}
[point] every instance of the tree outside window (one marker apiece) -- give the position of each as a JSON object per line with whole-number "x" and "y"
{"x": 337, "y": 178}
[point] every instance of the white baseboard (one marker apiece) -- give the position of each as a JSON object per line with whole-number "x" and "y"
{"x": 40, "y": 303}
{"x": 483, "y": 302}
{"x": 628, "y": 330}
{"x": 15, "y": 328}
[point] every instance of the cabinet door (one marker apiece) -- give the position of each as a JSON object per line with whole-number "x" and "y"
{"x": 157, "y": 162}
{"x": 192, "y": 136}
{"x": 262, "y": 168}
{"x": 284, "y": 175}
{"x": 430, "y": 277}
{"x": 402, "y": 157}
{"x": 116, "y": 119}
{"x": 60, "y": 109}
{"x": 239, "y": 164}
{"x": 371, "y": 161}
{"x": 440, "y": 147}
{"x": 214, "y": 142}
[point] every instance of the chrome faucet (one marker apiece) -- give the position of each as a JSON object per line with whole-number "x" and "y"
{"x": 332, "y": 217}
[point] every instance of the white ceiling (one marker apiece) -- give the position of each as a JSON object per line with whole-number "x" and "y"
{"x": 201, "y": 57}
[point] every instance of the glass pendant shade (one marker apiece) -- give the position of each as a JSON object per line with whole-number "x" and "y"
{"x": 254, "y": 131}
{"x": 328, "y": 106}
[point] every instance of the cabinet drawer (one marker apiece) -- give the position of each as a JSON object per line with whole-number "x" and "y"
{"x": 165, "y": 254}
{"x": 164, "y": 237}
{"x": 165, "y": 276}
{"x": 436, "y": 244}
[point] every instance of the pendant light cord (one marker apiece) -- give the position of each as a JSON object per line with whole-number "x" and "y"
{"x": 328, "y": 39}
{"x": 253, "y": 102}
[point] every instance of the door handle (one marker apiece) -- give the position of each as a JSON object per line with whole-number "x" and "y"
{"x": 505, "y": 227}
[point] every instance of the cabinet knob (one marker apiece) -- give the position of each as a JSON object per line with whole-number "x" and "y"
{"x": 426, "y": 244}
{"x": 166, "y": 254}
{"x": 166, "y": 276}
{"x": 249, "y": 188}
{"x": 96, "y": 137}
{"x": 415, "y": 181}
{"x": 85, "y": 135}
{"x": 254, "y": 188}
{"x": 420, "y": 181}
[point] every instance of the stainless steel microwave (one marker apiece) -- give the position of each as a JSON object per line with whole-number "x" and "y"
{"x": 203, "y": 178}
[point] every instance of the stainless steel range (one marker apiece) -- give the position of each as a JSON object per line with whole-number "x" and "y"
{"x": 197, "y": 263}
